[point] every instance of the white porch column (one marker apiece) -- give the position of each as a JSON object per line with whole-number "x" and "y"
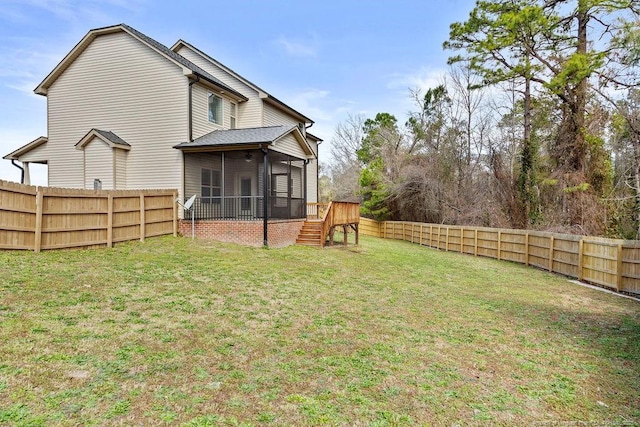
{"x": 27, "y": 175}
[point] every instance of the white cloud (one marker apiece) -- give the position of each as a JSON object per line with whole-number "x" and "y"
{"x": 24, "y": 86}
{"x": 297, "y": 48}
{"x": 309, "y": 102}
{"x": 423, "y": 79}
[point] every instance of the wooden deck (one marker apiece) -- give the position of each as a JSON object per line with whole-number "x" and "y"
{"x": 320, "y": 232}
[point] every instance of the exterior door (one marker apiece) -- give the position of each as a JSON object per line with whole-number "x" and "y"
{"x": 246, "y": 200}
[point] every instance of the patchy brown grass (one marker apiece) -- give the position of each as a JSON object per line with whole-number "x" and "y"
{"x": 389, "y": 333}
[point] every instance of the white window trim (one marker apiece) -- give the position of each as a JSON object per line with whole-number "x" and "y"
{"x": 210, "y": 186}
{"x": 221, "y": 122}
{"x": 233, "y": 117}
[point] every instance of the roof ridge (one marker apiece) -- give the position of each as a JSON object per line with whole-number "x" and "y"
{"x": 164, "y": 49}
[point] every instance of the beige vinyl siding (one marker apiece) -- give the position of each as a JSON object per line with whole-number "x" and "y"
{"x": 249, "y": 112}
{"x": 200, "y": 111}
{"x": 119, "y": 84}
{"x": 274, "y": 117}
{"x": 288, "y": 144}
{"x": 313, "y": 144}
{"x": 37, "y": 154}
{"x": 235, "y": 169}
{"x": 194, "y": 163}
{"x": 312, "y": 173}
{"x": 312, "y": 181}
{"x": 120, "y": 168}
{"x": 98, "y": 164}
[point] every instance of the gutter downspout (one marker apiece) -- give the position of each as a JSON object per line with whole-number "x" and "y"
{"x": 191, "y": 83}
{"x": 13, "y": 162}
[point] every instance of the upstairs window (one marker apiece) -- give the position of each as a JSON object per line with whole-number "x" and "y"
{"x": 215, "y": 109}
{"x": 232, "y": 116}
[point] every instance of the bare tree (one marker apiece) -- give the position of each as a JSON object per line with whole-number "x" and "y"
{"x": 345, "y": 167}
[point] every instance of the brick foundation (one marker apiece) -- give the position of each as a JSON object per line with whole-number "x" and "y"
{"x": 280, "y": 232}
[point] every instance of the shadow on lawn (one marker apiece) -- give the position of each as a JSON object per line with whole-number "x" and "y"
{"x": 590, "y": 324}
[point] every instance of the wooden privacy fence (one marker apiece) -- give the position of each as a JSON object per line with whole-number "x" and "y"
{"x": 36, "y": 218}
{"x": 611, "y": 263}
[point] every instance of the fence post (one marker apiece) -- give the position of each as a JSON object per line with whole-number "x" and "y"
{"x": 475, "y": 245}
{"x": 446, "y": 241}
{"x": 412, "y": 231}
{"x": 174, "y": 197}
{"x": 580, "y": 260}
{"x": 421, "y": 228}
{"x": 551, "y": 254}
{"x": 39, "y": 207}
{"x": 619, "y": 272}
{"x": 110, "y": 220}
{"x": 499, "y": 244}
{"x": 142, "y": 218}
{"x": 526, "y": 249}
{"x": 430, "y": 235}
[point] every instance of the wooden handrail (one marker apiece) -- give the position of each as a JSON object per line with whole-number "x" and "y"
{"x": 339, "y": 213}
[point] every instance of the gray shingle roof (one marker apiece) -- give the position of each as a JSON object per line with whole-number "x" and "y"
{"x": 260, "y": 135}
{"x": 180, "y": 59}
{"x": 112, "y": 137}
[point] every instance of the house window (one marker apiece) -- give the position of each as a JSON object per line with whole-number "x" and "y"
{"x": 210, "y": 186}
{"x": 232, "y": 116}
{"x": 215, "y": 109}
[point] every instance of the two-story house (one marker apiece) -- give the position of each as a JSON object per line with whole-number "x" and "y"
{"x": 126, "y": 112}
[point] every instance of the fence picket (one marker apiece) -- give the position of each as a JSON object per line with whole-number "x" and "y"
{"x": 40, "y": 218}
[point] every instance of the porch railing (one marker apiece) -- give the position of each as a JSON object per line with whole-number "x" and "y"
{"x": 246, "y": 208}
{"x": 316, "y": 210}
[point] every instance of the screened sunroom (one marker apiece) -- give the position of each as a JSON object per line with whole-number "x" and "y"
{"x": 244, "y": 174}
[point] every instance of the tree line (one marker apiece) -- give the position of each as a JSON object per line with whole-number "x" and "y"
{"x": 535, "y": 125}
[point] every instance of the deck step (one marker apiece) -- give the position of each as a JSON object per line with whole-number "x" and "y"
{"x": 310, "y": 234}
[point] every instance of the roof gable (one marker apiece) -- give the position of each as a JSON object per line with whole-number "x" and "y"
{"x": 262, "y": 93}
{"x": 108, "y": 137}
{"x": 187, "y": 66}
{"x": 246, "y": 137}
{"x": 15, "y": 155}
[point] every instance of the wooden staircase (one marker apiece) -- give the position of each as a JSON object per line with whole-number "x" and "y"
{"x": 311, "y": 233}
{"x": 314, "y": 232}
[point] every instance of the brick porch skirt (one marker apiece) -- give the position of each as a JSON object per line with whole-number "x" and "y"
{"x": 280, "y": 232}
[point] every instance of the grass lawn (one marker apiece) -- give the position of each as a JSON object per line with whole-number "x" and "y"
{"x": 175, "y": 332}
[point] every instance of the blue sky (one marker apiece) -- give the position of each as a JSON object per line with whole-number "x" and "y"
{"x": 326, "y": 59}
